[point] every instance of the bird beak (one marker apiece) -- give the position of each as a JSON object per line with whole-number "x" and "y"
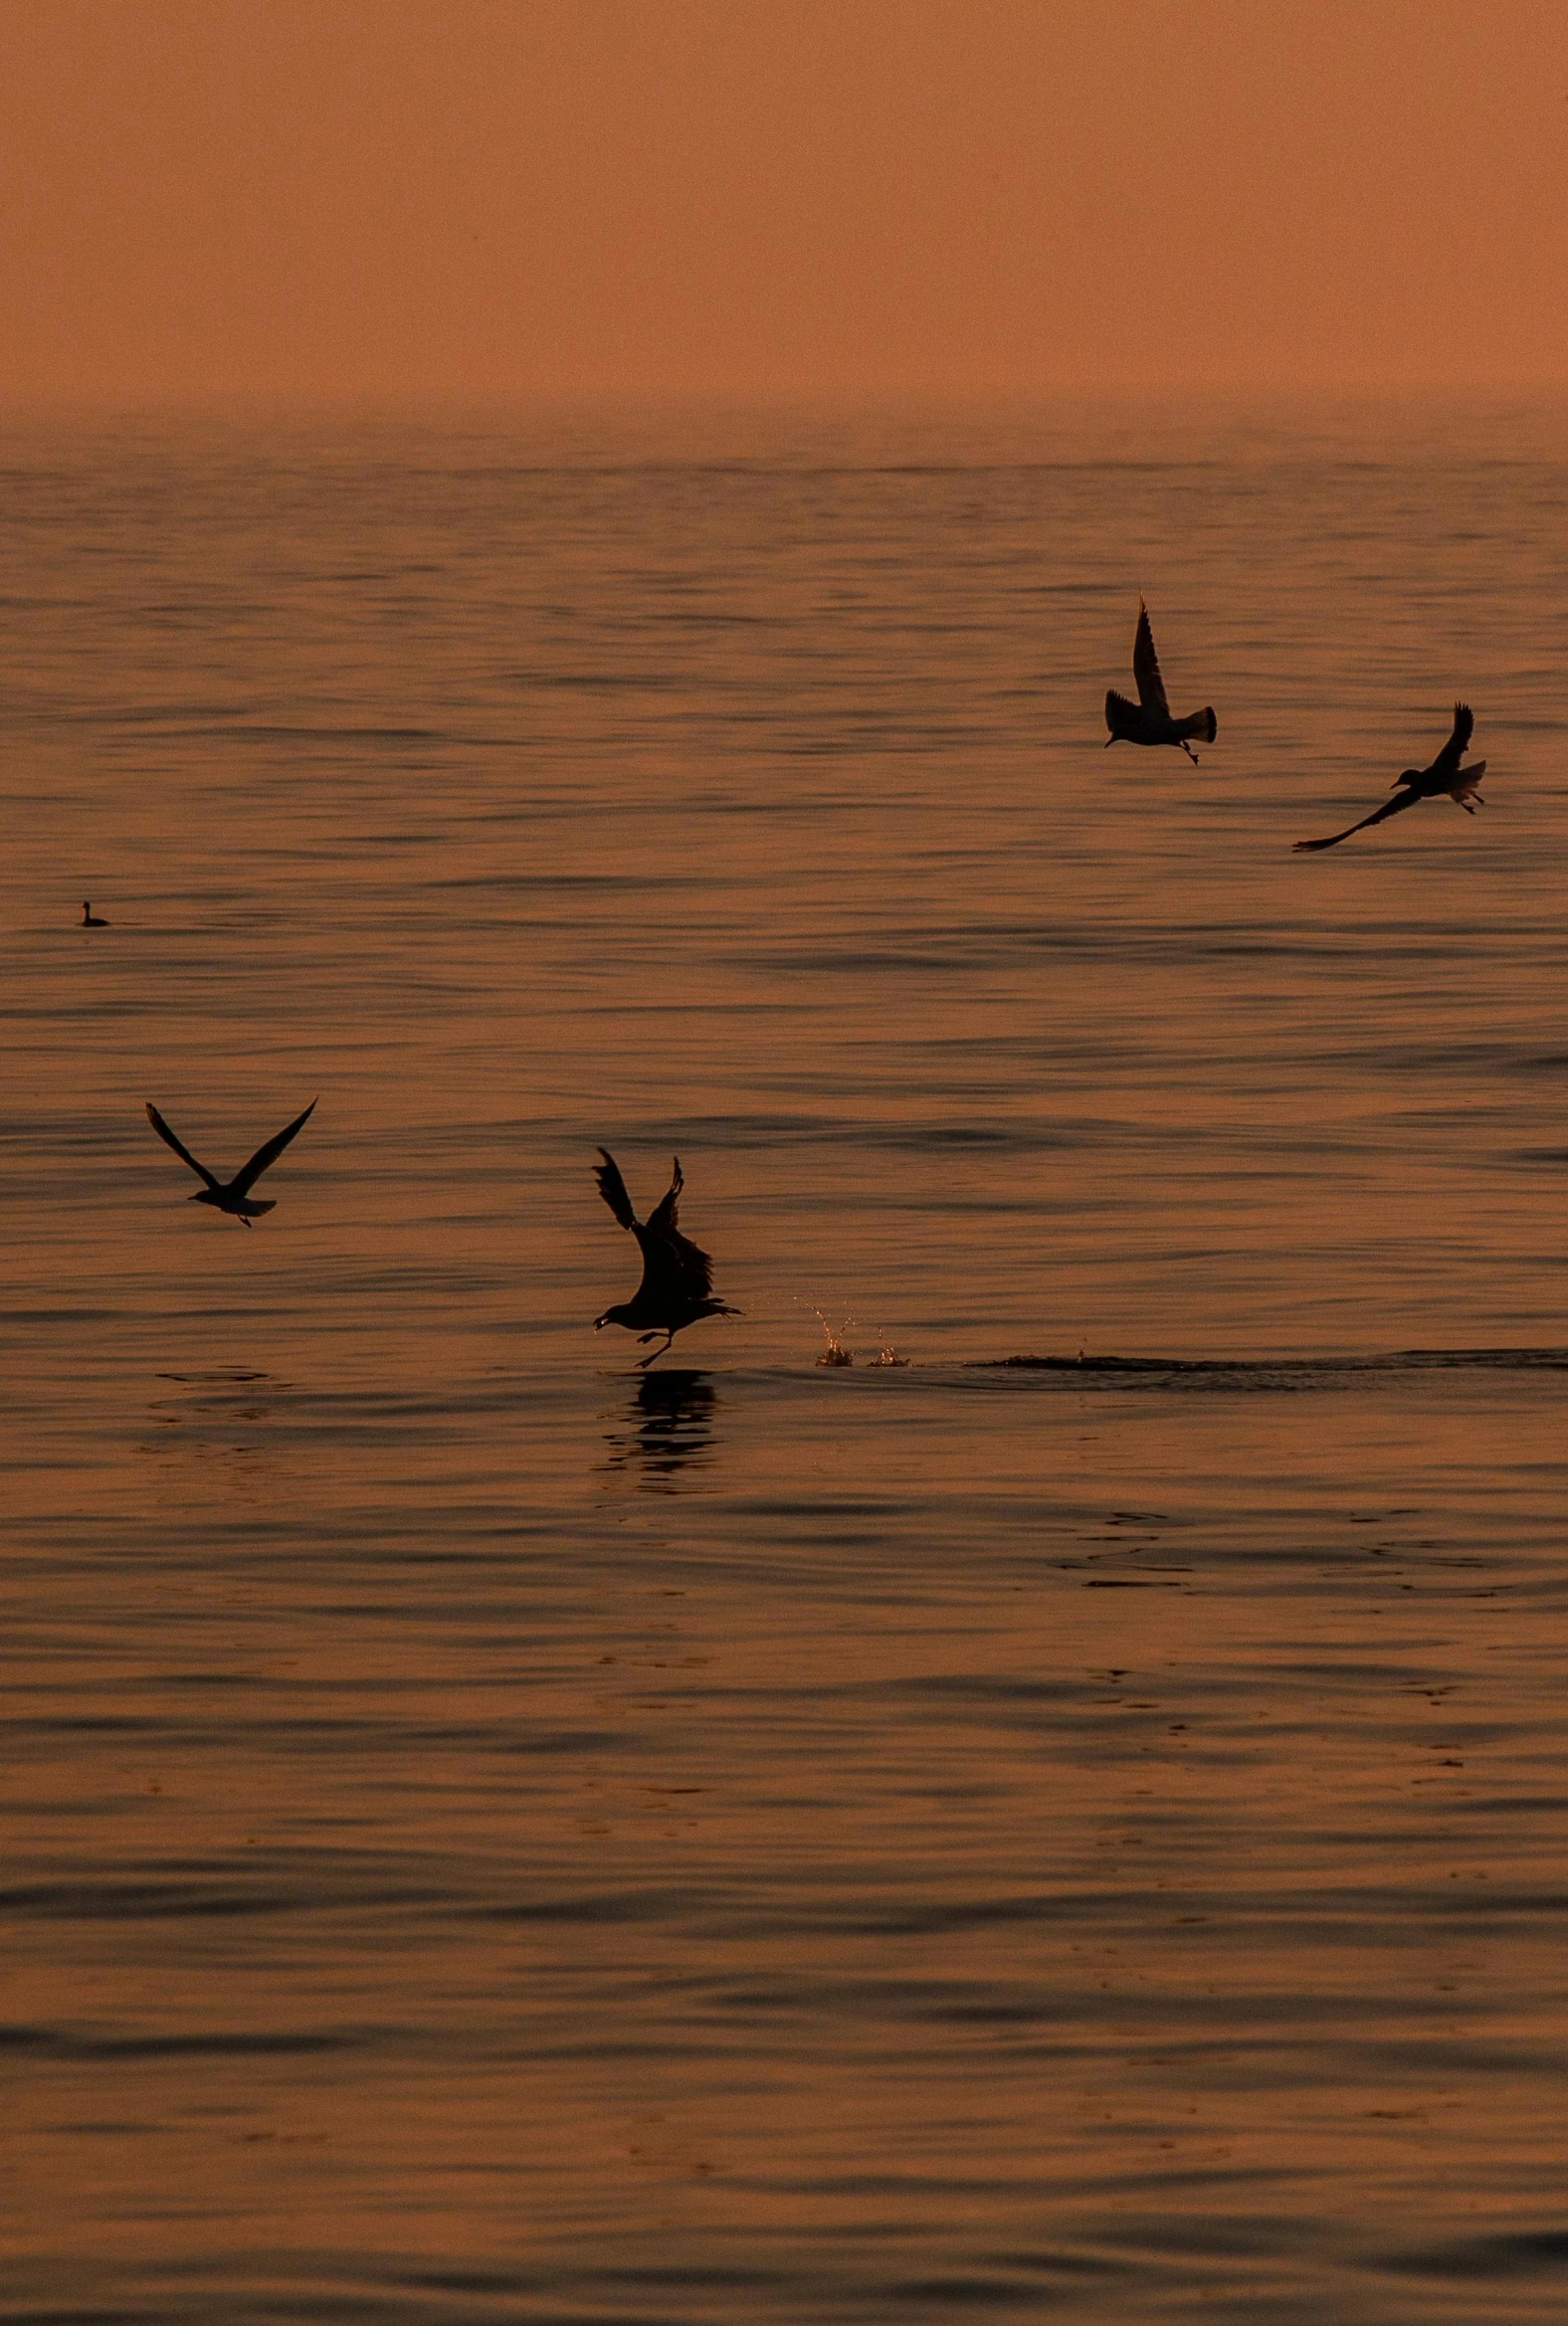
{"x": 598, "y": 1324}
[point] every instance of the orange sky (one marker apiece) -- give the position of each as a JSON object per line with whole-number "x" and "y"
{"x": 779, "y": 199}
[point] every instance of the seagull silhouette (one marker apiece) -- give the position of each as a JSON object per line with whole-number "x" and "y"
{"x": 1149, "y": 721}
{"x": 677, "y": 1279}
{"x": 90, "y": 921}
{"x": 234, "y": 1198}
{"x": 1443, "y": 777}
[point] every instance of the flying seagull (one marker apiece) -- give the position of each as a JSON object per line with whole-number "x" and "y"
{"x": 677, "y": 1279}
{"x": 234, "y": 1198}
{"x": 1149, "y": 721}
{"x": 90, "y": 921}
{"x": 1444, "y": 776}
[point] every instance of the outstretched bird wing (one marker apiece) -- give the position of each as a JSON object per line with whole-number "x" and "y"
{"x": 673, "y": 1267}
{"x": 184, "y": 1154}
{"x": 1146, "y": 666}
{"x": 612, "y": 1188}
{"x": 672, "y": 1262}
{"x": 1394, "y": 807}
{"x": 244, "y": 1180}
{"x": 1447, "y": 763}
{"x": 664, "y": 1216}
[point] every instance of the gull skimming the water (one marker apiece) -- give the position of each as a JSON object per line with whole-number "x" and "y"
{"x": 677, "y": 1279}
{"x": 234, "y": 1198}
{"x": 1444, "y": 778}
{"x": 1149, "y": 721}
{"x": 90, "y": 921}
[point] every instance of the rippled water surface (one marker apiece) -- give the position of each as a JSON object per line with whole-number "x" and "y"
{"x": 490, "y": 1834}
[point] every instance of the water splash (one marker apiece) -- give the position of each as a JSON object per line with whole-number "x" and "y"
{"x": 887, "y": 1354}
{"x": 835, "y": 1352}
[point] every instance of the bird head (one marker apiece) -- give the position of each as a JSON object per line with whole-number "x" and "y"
{"x": 616, "y": 1315}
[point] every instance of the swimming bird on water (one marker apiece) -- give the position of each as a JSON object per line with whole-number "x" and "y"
{"x": 1149, "y": 721}
{"x": 90, "y": 921}
{"x": 677, "y": 1279}
{"x": 1444, "y": 778}
{"x": 235, "y": 1196}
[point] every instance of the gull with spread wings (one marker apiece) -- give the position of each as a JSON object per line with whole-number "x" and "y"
{"x": 677, "y": 1279}
{"x": 235, "y": 1196}
{"x": 1444, "y": 778}
{"x": 1149, "y": 721}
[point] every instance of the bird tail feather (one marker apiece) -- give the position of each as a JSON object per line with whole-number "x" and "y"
{"x": 1202, "y": 722}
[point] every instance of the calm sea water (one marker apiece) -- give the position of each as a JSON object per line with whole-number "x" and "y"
{"x": 492, "y": 1835}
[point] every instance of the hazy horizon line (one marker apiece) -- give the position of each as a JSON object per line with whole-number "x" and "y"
{"x": 1515, "y": 395}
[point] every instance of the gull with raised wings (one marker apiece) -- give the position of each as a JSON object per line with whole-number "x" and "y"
{"x": 1444, "y": 779}
{"x": 677, "y": 1279}
{"x": 233, "y": 1197}
{"x": 1149, "y": 721}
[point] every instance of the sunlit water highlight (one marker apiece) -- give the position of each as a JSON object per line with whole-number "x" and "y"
{"x": 493, "y": 1835}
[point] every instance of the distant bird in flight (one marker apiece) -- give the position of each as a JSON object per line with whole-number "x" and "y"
{"x": 1444, "y": 776}
{"x": 677, "y": 1279}
{"x": 1149, "y": 721}
{"x": 234, "y": 1198}
{"x": 90, "y": 921}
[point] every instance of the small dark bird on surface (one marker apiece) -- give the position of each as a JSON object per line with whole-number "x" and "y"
{"x": 1444, "y": 777}
{"x": 90, "y": 921}
{"x": 677, "y": 1279}
{"x": 1149, "y": 721}
{"x": 234, "y": 1198}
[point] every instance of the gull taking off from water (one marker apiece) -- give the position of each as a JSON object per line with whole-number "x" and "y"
{"x": 1444, "y": 776}
{"x": 234, "y": 1199}
{"x": 677, "y": 1279}
{"x": 1149, "y": 721}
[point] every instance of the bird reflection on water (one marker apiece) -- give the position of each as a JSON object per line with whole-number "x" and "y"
{"x": 215, "y": 1422}
{"x": 667, "y": 1427}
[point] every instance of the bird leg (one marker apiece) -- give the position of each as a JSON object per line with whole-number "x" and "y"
{"x": 644, "y": 1362}
{"x": 1187, "y": 747}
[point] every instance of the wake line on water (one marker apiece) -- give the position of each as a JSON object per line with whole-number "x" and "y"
{"x": 1282, "y": 1372}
